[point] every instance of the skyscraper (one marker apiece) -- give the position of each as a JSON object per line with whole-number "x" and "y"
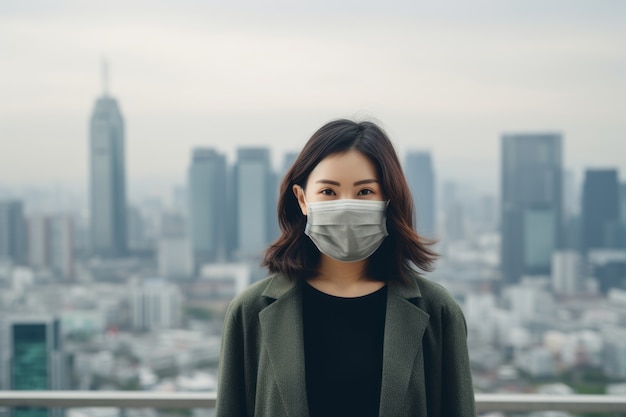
{"x": 108, "y": 178}
{"x": 255, "y": 202}
{"x": 12, "y": 232}
{"x": 207, "y": 205}
{"x": 531, "y": 203}
{"x": 32, "y": 358}
{"x": 420, "y": 175}
{"x": 600, "y": 211}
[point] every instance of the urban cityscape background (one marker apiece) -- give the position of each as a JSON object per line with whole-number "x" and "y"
{"x": 117, "y": 276}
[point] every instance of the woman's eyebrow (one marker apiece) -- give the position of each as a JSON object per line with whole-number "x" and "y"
{"x": 364, "y": 182}
{"x": 361, "y": 182}
{"x": 328, "y": 182}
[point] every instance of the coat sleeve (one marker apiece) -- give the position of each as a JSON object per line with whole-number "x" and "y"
{"x": 231, "y": 389}
{"x": 457, "y": 389}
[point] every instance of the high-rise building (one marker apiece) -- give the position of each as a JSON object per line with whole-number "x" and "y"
{"x": 255, "y": 199}
{"x": 108, "y": 179}
{"x": 600, "y": 209}
{"x": 32, "y": 358}
{"x": 13, "y": 233}
{"x": 420, "y": 175}
{"x": 207, "y": 205}
{"x": 531, "y": 206}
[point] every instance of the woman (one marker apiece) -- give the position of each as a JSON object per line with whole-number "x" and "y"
{"x": 345, "y": 326}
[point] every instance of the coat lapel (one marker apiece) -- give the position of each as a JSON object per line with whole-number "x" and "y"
{"x": 405, "y": 324}
{"x": 281, "y": 324}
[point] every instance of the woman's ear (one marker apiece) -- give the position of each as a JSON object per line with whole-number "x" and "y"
{"x": 299, "y": 193}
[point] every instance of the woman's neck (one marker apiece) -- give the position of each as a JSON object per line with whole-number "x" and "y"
{"x": 344, "y": 279}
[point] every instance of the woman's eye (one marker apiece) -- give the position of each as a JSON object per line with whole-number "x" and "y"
{"x": 366, "y": 192}
{"x": 327, "y": 191}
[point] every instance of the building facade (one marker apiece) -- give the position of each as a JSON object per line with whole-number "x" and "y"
{"x": 255, "y": 202}
{"x": 600, "y": 210}
{"x": 531, "y": 203}
{"x": 207, "y": 178}
{"x": 32, "y": 358}
{"x": 107, "y": 180}
{"x": 13, "y": 232}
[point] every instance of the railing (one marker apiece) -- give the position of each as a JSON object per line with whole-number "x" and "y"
{"x": 186, "y": 400}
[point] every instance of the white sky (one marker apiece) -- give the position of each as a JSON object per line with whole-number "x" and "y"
{"x": 449, "y": 77}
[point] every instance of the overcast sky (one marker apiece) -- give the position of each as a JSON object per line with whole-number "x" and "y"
{"x": 450, "y": 77}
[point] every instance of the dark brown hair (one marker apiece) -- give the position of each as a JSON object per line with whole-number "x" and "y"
{"x": 295, "y": 255}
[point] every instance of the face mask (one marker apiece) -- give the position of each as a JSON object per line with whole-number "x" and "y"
{"x": 347, "y": 230}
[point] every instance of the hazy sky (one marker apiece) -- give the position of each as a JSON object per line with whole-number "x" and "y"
{"x": 449, "y": 77}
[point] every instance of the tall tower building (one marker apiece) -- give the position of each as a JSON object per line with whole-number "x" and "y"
{"x": 207, "y": 205}
{"x": 13, "y": 232}
{"x": 255, "y": 200}
{"x": 600, "y": 211}
{"x": 531, "y": 212}
{"x": 420, "y": 175}
{"x": 32, "y": 358}
{"x": 108, "y": 178}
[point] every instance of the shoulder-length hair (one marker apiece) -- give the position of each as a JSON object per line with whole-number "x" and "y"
{"x": 402, "y": 251}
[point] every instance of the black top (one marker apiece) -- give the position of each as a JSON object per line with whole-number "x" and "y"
{"x": 343, "y": 347}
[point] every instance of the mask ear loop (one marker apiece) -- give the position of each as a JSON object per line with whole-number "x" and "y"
{"x": 304, "y": 198}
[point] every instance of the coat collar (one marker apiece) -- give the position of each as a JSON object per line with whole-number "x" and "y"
{"x": 281, "y": 324}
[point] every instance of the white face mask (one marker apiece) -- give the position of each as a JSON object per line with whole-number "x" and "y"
{"x": 347, "y": 230}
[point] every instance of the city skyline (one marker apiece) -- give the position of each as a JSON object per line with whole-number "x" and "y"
{"x": 209, "y": 116}
{"x": 450, "y": 80}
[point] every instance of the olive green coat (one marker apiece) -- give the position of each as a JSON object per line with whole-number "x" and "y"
{"x": 425, "y": 361}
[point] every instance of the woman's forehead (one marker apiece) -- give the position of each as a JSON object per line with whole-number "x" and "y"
{"x": 347, "y": 166}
